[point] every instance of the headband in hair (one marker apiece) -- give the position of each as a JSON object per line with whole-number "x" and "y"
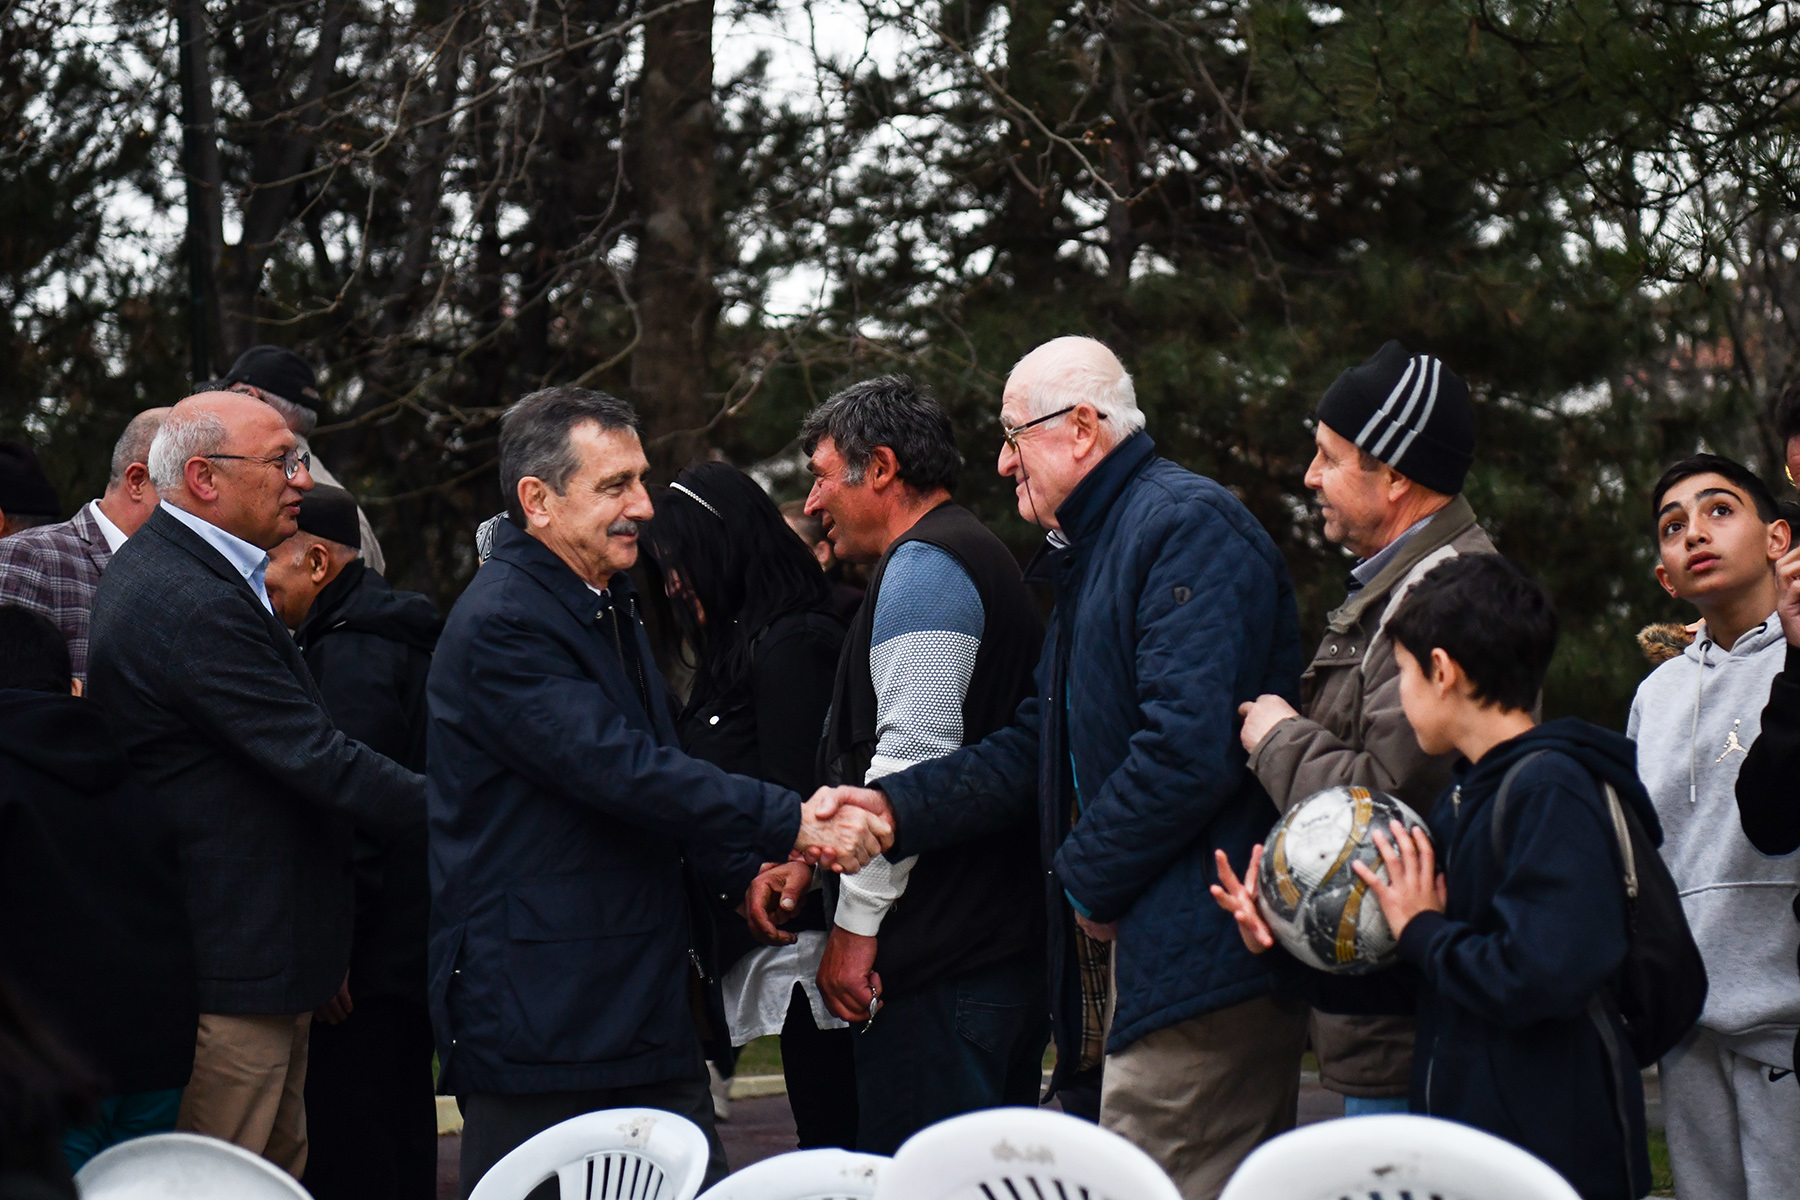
{"x": 691, "y": 494}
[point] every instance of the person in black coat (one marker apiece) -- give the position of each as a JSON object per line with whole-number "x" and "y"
{"x": 95, "y": 933}
{"x": 1513, "y": 955}
{"x": 371, "y": 1115}
{"x": 749, "y": 599}
{"x": 214, "y": 707}
{"x": 562, "y": 808}
{"x": 1767, "y": 796}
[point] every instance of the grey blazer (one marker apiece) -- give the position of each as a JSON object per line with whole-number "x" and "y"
{"x": 211, "y": 701}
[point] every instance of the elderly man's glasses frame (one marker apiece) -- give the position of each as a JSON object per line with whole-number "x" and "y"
{"x": 290, "y": 463}
{"x": 1011, "y": 432}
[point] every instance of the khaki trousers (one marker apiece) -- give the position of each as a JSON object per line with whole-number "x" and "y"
{"x": 1199, "y": 1096}
{"x": 249, "y": 1085}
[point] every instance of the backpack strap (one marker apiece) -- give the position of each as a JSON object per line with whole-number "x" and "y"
{"x": 1622, "y": 832}
{"x": 1495, "y": 833}
{"x": 1609, "y": 1041}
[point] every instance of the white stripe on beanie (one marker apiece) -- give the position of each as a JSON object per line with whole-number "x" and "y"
{"x": 1421, "y": 370}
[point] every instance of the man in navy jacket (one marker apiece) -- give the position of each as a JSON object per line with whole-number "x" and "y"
{"x": 561, "y": 808}
{"x": 1172, "y": 608}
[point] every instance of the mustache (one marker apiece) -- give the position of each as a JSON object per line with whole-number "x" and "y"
{"x": 623, "y": 527}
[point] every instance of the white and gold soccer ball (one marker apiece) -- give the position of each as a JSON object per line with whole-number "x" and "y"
{"x": 1317, "y": 907}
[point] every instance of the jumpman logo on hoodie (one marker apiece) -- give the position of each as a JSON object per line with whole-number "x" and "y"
{"x": 1732, "y": 743}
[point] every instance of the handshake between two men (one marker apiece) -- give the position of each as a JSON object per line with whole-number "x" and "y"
{"x": 841, "y": 828}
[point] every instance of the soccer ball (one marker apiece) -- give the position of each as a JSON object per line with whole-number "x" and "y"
{"x": 1314, "y": 903}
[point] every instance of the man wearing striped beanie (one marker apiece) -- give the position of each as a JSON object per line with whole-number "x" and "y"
{"x": 1394, "y": 438}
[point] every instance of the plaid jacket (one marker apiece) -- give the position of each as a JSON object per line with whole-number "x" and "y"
{"x": 54, "y": 569}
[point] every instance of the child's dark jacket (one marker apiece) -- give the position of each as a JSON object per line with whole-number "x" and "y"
{"x": 1505, "y": 1042}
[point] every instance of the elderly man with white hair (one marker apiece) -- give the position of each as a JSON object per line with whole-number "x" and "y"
{"x": 1173, "y": 607}
{"x": 215, "y": 709}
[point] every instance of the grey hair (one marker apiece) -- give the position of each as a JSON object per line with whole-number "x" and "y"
{"x": 183, "y": 436}
{"x": 534, "y": 436}
{"x": 1081, "y": 370}
{"x": 133, "y": 445}
{"x": 891, "y": 411}
{"x": 301, "y": 419}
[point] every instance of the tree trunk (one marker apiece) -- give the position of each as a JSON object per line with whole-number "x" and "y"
{"x": 672, "y": 177}
{"x": 205, "y": 181}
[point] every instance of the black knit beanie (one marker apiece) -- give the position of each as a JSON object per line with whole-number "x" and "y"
{"x": 1408, "y": 410}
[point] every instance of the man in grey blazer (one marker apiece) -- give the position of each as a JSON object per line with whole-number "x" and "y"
{"x": 214, "y": 706}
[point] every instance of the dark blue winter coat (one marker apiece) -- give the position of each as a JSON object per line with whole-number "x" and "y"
{"x": 560, "y": 808}
{"x": 1172, "y": 608}
{"x": 1505, "y": 1043}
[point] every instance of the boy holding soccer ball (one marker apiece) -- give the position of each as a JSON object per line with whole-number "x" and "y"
{"x": 1510, "y": 947}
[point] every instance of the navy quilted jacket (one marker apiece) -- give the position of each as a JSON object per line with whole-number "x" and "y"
{"x": 1173, "y": 606}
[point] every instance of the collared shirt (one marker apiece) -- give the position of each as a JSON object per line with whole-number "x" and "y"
{"x": 251, "y": 562}
{"x": 115, "y": 537}
{"x": 1365, "y": 571}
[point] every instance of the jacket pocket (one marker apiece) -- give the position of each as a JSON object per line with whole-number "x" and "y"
{"x": 240, "y": 912}
{"x": 593, "y": 970}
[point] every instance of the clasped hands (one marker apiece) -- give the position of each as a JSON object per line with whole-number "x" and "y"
{"x": 841, "y": 828}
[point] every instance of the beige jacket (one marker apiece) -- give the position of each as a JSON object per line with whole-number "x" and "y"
{"x": 1353, "y": 731}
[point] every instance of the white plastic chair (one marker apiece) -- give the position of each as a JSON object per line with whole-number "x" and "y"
{"x": 183, "y": 1166}
{"x": 614, "y": 1154}
{"x": 1393, "y": 1155}
{"x": 1021, "y": 1154}
{"x": 803, "y": 1175}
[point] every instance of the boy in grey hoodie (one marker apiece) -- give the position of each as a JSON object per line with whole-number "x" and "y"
{"x": 1732, "y": 1115}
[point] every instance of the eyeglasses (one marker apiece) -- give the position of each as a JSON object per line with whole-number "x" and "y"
{"x": 290, "y": 463}
{"x": 1011, "y": 432}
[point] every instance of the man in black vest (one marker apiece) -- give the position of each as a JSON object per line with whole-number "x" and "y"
{"x": 941, "y": 954}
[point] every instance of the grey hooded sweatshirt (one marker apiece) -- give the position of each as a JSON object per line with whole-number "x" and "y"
{"x": 1693, "y": 719}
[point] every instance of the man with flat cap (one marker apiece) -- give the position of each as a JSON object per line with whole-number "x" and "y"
{"x": 371, "y": 1115}
{"x": 27, "y": 498}
{"x": 1395, "y": 438}
{"x": 286, "y": 383}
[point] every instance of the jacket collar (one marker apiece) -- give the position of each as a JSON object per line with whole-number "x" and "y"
{"x": 1084, "y": 510}
{"x": 170, "y": 529}
{"x": 517, "y": 548}
{"x": 1445, "y": 526}
{"x": 329, "y": 605}
{"x": 92, "y": 539}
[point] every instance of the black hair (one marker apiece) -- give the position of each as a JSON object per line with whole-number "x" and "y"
{"x": 33, "y": 655}
{"x": 1491, "y": 617}
{"x": 1713, "y": 464}
{"x": 1787, "y": 414}
{"x": 729, "y": 550}
{"x": 890, "y": 411}
{"x": 534, "y": 437}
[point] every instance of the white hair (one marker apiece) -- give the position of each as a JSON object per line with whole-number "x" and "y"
{"x": 183, "y": 435}
{"x": 1068, "y": 371}
{"x": 299, "y": 418}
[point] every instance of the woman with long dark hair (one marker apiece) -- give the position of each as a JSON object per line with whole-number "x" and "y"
{"x": 754, "y": 611}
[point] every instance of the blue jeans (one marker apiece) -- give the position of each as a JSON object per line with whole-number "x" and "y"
{"x": 975, "y": 1041}
{"x": 122, "y": 1117}
{"x": 1368, "y": 1106}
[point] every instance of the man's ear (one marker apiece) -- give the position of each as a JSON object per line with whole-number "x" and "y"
{"x": 1398, "y": 485}
{"x": 1084, "y": 426}
{"x": 533, "y": 497}
{"x": 198, "y": 472}
{"x": 883, "y": 468}
{"x": 137, "y": 478}
{"x": 318, "y": 562}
